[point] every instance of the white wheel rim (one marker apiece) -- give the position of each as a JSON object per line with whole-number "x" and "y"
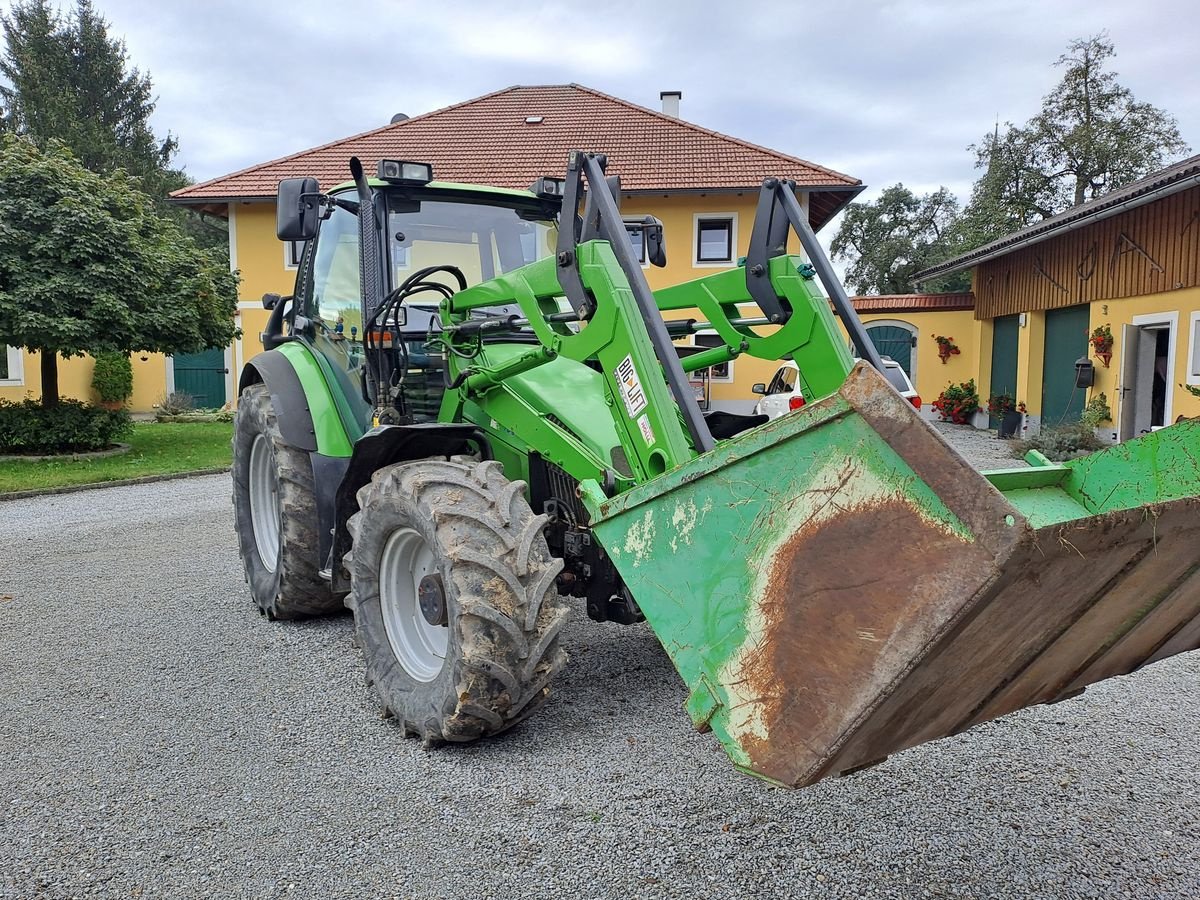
{"x": 418, "y": 646}
{"x": 264, "y": 501}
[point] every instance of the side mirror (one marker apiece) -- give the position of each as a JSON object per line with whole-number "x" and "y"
{"x": 651, "y": 230}
{"x": 759, "y": 388}
{"x": 270, "y": 301}
{"x": 297, "y": 209}
{"x": 656, "y": 250}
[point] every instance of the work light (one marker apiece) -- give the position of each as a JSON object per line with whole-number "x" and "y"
{"x": 549, "y": 188}
{"x": 405, "y": 172}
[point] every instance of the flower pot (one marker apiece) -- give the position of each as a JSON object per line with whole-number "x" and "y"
{"x": 1010, "y": 425}
{"x": 1105, "y": 356}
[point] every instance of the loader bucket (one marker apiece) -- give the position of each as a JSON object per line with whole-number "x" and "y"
{"x": 839, "y": 584}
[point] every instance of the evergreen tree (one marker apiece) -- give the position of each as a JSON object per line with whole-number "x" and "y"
{"x": 68, "y": 80}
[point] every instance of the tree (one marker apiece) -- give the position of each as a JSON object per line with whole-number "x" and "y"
{"x": 895, "y": 237}
{"x": 1090, "y": 137}
{"x": 69, "y": 81}
{"x": 86, "y": 265}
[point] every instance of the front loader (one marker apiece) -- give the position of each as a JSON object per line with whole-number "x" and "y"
{"x": 471, "y": 414}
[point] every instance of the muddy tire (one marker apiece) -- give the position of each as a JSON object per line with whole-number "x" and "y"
{"x": 275, "y": 514}
{"x": 454, "y": 598}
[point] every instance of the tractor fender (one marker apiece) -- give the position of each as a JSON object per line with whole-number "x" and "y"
{"x": 385, "y": 445}
{"x": 305, "y": 406}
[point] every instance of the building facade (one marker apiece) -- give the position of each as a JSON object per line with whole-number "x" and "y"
{"x": 1048, "y": 298}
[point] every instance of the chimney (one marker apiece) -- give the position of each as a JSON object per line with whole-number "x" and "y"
{"x": 670, "y": 102}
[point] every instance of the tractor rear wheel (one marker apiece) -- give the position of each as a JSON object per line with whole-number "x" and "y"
{"x": 454, "y": 598}
{"x": 275, "y": 512}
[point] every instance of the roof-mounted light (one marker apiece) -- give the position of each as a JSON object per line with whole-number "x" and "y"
{"x": 402, "y": 171}
{"x": 549, "y": 188}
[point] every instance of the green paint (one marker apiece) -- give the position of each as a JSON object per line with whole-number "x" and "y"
{"x": 696, "y": 546}
{"x": 332, "y": 430}
{"x": 1154, "y": 468}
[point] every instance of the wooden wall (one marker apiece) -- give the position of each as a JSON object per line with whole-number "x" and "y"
{"x": 1146, "y": 250}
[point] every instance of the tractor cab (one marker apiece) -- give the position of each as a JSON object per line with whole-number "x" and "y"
{"x": 449, "y": 236}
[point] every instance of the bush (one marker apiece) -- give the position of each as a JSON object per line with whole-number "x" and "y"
{"x": 1097, "y": 412}
{"x": 69, "y": 427}
{"x": 112, "y": 378}
{"x": 177, "y": 403}
{"x": 958, "y": 402}
{"x": 1062, "y": 442}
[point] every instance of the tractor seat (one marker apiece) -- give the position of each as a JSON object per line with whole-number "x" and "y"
{"x": 726, "y": 424}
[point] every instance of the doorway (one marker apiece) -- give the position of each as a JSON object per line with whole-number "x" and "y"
{"x": 202, "y": 376}
{"x": 1147, "y": 364}
{"x": 895, "y": 340}
{"x": 1005, "y": 330}
{"x": 1066, "y": 341}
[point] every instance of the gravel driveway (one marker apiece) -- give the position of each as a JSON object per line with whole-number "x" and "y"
{"x": 160, "y": 739}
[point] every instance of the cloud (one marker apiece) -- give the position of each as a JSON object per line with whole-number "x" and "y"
{"x": 884, "y": 91}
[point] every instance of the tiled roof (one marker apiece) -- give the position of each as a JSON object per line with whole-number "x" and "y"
{"x": 1176, "y": 177}
{"x": 487, "y": 140}
{"x": 913, "y": 302}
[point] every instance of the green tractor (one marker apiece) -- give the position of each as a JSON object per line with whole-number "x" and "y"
{"x": 471, "y": 414}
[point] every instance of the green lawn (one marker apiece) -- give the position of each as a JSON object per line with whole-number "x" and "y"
{"x": 157, "y": 449}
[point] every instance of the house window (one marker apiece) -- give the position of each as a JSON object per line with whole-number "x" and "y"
{"x": 721, "y": 371}
{"x": 716, "y": 238}
{"x": 11, "y": 366}
{"x": 292, "y": 251}
{"x": 637, "y": 237}
{"x": 1193, "y": 370}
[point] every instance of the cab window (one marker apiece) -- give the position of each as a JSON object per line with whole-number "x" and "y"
{"x": 335, "y": 269}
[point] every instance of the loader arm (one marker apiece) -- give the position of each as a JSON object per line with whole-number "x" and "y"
{"x": 837, "y": 584}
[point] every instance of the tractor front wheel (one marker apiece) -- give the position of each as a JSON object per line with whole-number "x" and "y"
{"x": 275, "y": 512}
{"x": 454, "y": 598}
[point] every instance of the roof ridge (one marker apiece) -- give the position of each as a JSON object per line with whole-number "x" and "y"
{"x": 712, "y": 133}
{"x": 182, "y": 192}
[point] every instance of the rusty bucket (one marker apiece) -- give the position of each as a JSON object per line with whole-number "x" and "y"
{"x": 839, "y": 584}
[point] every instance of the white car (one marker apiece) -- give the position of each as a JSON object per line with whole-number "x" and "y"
{"x": 783, "y": 393}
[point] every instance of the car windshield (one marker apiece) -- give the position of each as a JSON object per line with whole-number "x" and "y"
{"x": 482, "y": 240}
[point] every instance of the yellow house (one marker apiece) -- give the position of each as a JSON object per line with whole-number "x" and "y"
{"x": 702, "y": 185}
{"x": 904, "y": 327}
{"x": 1047, "y": 297}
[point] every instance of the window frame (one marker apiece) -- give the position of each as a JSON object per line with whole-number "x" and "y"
{"x": 699, "y": 219}
{"x": 15, "y": 359}
{"x": 1192, "y": 375}
{"x": 641, "y": 257}
{"x": 713, "y": 378}
{"x": 291, "y": 256}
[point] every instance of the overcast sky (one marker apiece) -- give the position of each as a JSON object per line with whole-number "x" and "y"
{"x": 885, "y": 92}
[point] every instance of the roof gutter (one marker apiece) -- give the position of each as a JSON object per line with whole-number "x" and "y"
{"x": 967, "y": 261}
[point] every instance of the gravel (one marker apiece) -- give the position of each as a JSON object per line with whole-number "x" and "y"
{"x": 980, "y": 448}
{"x": 160, "y": 739}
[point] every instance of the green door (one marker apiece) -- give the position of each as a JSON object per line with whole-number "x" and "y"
{"x": 893, "y": 341}
{"x": 202, "y": 376}
{"x": 1066, "y": 341}
{"x": 1004, "y": 359}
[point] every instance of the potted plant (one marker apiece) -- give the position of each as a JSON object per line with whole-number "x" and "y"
{"x": 946, "y": 347}
{"x": 112, "y": 379}
{"x": 1101, "y": 339}
{"x": 1097, "y": 412}
{"x": 958, "y": 402}
{"x": 1010, "y": 413}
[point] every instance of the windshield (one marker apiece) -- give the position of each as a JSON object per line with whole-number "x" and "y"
{"x": 482, "y": 240}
